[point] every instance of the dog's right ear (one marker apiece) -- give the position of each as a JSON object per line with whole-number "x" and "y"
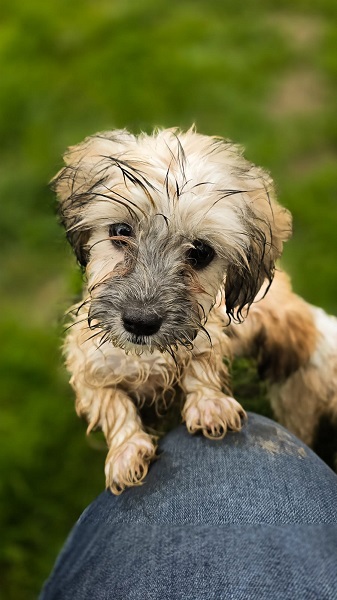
{"x": 76, "y": 184}
{"x": 72, "y": 194}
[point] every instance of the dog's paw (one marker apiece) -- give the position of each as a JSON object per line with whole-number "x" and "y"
{"x": 214, "y": 414}
{"x": 127, "y": 465}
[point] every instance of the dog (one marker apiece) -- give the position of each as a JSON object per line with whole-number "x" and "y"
{"x": 177, "y": 234}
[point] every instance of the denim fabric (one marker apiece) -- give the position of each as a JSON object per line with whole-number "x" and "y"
{"x": 251, "y": 517}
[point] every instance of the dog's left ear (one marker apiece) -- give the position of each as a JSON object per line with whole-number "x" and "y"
{"x": 266, "y": 225}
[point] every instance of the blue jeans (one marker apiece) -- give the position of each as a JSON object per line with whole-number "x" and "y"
{"x": 251, "y": 517}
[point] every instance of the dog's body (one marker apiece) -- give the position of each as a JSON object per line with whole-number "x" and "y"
{"x": 295, "y": 345}
{"x": 110, "y": 384}
{"x": 178, "y": 233}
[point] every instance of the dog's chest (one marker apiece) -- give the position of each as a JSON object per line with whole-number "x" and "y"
{"x": 143, "y": 375}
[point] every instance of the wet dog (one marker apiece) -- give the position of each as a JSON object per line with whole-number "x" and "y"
{"x": 177, "y": 234}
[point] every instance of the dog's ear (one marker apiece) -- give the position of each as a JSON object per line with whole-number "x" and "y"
{"x": 72, "y": 194}
{"x": 76, "y": 184}
{"x": 266, "y": 225}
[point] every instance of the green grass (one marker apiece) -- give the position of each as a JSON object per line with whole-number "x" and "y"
{"x": 261, "y": 73}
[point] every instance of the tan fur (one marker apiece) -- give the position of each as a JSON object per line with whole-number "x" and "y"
{"x": 186, "y": 187}
{"x": 280, "y": 331}
{"x": 296, "y": 348}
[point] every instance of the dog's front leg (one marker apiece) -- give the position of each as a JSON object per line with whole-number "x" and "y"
{"x": 130, "y": 448}
{"x": 207, "y": 407}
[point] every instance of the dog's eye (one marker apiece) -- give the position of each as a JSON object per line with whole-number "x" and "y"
{"x": 121, "y": 230}
{"x": 200, "y": 255}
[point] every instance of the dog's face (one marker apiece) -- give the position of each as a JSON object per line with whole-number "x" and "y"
{"x": 162, "y": 223}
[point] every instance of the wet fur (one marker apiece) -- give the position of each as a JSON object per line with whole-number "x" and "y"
{"x": 295, "y": 345}
{"x": 172, "y": 188}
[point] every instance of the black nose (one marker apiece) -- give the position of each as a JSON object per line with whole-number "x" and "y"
{"x": 141, "y": 323}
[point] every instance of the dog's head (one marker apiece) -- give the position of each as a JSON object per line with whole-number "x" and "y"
{"x": 162, "y": 223}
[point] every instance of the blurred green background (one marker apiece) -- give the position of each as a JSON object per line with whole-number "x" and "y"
{"x": 263, "y": 73}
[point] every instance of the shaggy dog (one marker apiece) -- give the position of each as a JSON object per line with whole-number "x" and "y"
{"x": 178, "y": 234}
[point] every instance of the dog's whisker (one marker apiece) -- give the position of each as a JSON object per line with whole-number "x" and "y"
{"x": 94, "y": 335}
{"x": 207, "y": 335}
{"x": 103, "y": 339}
{"x": 82, "y": 305}
{"x": 75, "y": 310}
{"x": 75, "y": 323}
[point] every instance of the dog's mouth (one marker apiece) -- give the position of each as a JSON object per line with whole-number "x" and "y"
{"x": 151, "y": 341}
{"x": 139, "y": 340}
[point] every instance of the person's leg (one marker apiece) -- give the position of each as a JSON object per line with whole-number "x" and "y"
{"x": 206, "y": 524}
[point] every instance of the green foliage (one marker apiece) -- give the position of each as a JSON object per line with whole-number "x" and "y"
{"x": 261, "y": 73}
{"x": 248, "y": 388}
